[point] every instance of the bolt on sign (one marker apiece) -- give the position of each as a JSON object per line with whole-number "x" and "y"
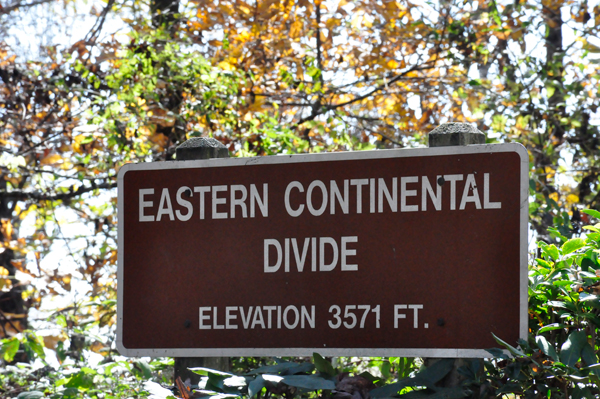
{"x": 410, "y": 252}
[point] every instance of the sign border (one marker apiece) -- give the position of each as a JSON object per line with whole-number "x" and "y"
{"x": 335, "y": 156}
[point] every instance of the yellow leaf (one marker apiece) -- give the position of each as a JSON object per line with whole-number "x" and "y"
{"x": 296, "y": 29}
{"x": 356, "y": 21}
{"x": 51, "y": 159}
{"x": 98, "y": 347}
{"x": 66, "y": 165}
{"x": 572, "y": 199}
{"x": 50, "y": 341}
{"x": 226, "y": 66}
{"x": 501, "y": 35}
{"x": 7, "y": 229}
{"x": 393, "y": 64}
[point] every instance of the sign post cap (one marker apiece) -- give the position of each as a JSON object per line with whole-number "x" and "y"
{"x": 455, "y": 133}
{"x": 201, "y": 148}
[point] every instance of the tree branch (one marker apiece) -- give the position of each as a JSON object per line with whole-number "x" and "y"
{"x": 97, "y": 28}
{"x": 40, "y": 196}
{"x": 332, "y": 107}
{"x": 9, "y": 9}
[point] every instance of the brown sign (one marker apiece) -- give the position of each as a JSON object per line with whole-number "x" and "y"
{"x": 400, "y": 252}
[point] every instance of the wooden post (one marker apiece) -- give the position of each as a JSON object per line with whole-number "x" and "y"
{"x": 452, "y": 134}
{"x": 199, "y": 148}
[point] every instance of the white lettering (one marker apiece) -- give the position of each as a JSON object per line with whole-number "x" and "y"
{"x": 309, "y": 198}
{"x": 238, "y": 201}
{"x": 165, "y": 207}
{"x": 296, "y": 317}
{"x": 258, "y": 318}
{"x": 202, "y": 190}
{"x": 204, "y": 317}
{"x": 246, "y": 317}
{"x": 436, "y": 199}
{"x": 146, "y": 204}
{"x": 218, "y": 201}
{"x": 486, "y": 194}
{"x": 215, "y": 325}
{"x": 322, "y": 266}
{"x": 267, "y": 243}
{"x": 359, "y": 183}
{"x": 263, "y": 204}
{"x": 185, "y": 203}
{"x": 453, "y": 179}
{"x": 404, "y": 193}
{"x": 288, "y": 207}
{"x": 229, "y": 317}
{"x": 300, "y": 259}
{"x": 372, "y": 196}
{"x": 416, "y": 316}
{"x": 392, "y": 198}
{"x": 269, "y": 309}
{"x": 397, "y": 315}
{"x": 336, "y": 194}
{"x": 310, "y": 318}
{"x": 345, "y": 252}
{"x": 470, "y": 193}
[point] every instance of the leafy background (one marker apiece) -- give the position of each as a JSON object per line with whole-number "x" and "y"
{"x": 96, "y": 85}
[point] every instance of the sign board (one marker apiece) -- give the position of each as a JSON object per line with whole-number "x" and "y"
{"x": 410, "y": 252}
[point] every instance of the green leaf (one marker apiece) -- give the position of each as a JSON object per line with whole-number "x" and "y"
{"x": 514, "y": 351}
{"x": 550, "y": 327}
{"x": 31, "y": 395}
{"x": 544, "y": 263}
{"x": 592, "y": 228}
{"x": 368, "y": 376}
{"x": 391, "y": 390}
{"x": 207, "y": 371}
{"x": 302, "y": 368}
{"x": 145, "y": 368}
{"x": 586, "y": 263}
{"x": 551, "y": 251}
{"x": 35, "y": 343}
{"x": 274, "y": 369}
{"x": 417, "y": 394}
{"x": 572, "y": 245}
{"x": 545, "y": 346}
{"x": 80, "y": 381}
{"x": 323, "y": 366}
{"x": 448, "y": 393}
{"x": 497, "y": 352}
{"x": 10, "y": 348}
{"x": 509, "y": 388}
{"x": 256, "y": 386}
{"x": 434, "y": 373}
{"x": 311, "y": 382}
{"x": 588, "y": 355}
{"x": 570, "y": 352}
{"x": 61, "y": 320}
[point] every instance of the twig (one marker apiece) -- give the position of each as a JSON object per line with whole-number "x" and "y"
{"x": 7, "y": 10}
{"x": 23, "y": 195}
